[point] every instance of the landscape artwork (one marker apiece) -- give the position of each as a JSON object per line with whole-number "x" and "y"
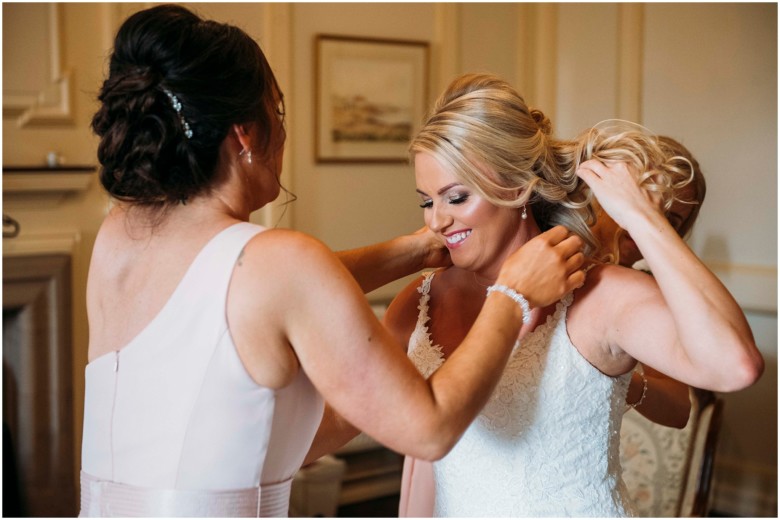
{"x": 370, "y": 98}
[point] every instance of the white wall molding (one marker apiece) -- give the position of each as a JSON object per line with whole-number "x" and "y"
{"x": 546, "y": 58}
{"x": 445, "y": 50}
{"x": 537, "y": 78}
{"x": 31, "y": 188}
{"x": 277, "y": 44}
{"x": 630, "y": 32}
{"x": 753, "y": 286}
{"x": 51, "y": 104}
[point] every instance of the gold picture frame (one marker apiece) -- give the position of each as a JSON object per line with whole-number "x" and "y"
{"x": 370, "y": 98}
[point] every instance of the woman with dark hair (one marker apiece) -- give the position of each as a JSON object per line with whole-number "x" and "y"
{"x": 213, "y": 341}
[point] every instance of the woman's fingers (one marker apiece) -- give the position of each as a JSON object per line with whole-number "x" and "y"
{"x": 576, "y": 279}
{"x": 575, "y": 261}
{"x": 556, "y": 235}
{"x": 570, "y": 245}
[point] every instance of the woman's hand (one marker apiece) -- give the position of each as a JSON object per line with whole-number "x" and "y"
{"x": 546, "y": 267}
{"x": 378, "y": 264}
{"x": 616, "y": 188}
{"x": 432, "y": 250}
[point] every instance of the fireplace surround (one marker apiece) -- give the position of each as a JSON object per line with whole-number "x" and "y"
{"x": 38, "y": 382}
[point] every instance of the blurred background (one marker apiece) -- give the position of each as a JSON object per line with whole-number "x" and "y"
{"x": 705, "y": 74}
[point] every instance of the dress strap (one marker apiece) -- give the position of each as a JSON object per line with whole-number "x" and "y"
{"x": 424, "y": 289}
{"x": 104, "y": 498}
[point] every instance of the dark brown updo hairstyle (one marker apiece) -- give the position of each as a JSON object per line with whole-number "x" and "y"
{"x": 219, "y": 76}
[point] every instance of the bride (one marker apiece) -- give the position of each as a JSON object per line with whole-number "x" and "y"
{"x": 490, "y": 178}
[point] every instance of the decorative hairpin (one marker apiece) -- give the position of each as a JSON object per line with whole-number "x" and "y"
{"x": 177, "y": 107}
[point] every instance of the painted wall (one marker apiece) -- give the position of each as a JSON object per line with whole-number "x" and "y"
{"x": 703, "y": 73}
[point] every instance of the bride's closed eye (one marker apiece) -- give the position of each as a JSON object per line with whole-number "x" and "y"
{"x": 458, "y": 198}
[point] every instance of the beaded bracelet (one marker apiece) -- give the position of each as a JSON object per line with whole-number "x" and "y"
{"x": 644, "y": 391}
{"x": 516, "y": 296}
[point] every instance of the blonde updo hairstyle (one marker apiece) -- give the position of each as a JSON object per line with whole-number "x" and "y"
{"x": 660, "y": 170}
{"x": 482, "y": 129}
{"x": 697, "y": 190}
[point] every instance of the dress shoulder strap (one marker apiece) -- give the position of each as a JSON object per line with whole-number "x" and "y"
{"x": 424, "y": 289}
{"x": 426, "y": 356}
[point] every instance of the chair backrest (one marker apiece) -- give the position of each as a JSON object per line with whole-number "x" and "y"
{"x": 698, "y": 493}
{"x": 668, "y": 471}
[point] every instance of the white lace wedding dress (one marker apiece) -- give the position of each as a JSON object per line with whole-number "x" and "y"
{"x": 547, "y": 442}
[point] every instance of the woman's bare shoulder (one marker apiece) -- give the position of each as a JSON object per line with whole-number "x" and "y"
{"x": 615, "y": 281}
{"x": 283, "y": 250}
{"x": 598, "y": 307}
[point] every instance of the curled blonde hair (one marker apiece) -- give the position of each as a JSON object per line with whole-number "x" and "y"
{"x": 483, "y": 130}
{"x": 698, "y": 187}
{"x": 660, "y": 169}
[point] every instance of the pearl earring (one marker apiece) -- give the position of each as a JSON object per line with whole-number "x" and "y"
{"x": 248, "y": 154}
{"x": 524, "y": 215}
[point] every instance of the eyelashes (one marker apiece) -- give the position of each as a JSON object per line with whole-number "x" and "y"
{"x": 456, "y": 199}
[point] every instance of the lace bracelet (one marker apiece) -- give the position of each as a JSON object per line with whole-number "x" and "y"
{"x": 516, "y": 296}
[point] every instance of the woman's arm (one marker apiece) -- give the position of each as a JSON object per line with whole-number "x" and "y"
{"x": 399, "y": 320}
{"x": 379, "y": 264}
{"x": 303, "y": 297}
{"x": 333, "y": 433}
{"x": 659, "y": 398}
{"x": 684, "y": 322}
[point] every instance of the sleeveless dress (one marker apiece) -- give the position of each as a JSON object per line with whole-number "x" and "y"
{"x": 173, "y": 423}
{"x": 547, "y": 441}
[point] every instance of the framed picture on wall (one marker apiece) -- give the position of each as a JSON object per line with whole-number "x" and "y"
{"x": 370, "y": 98}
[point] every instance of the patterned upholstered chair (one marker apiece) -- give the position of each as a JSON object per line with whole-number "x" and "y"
{"x": 669, "y": 471}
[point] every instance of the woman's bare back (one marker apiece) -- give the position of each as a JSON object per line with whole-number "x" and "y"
{"x": 134, "y": 270}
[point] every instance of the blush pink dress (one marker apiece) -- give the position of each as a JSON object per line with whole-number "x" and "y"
{"x": 173, "y": 423}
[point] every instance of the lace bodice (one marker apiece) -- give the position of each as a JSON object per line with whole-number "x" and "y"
{"x": 546, "y": 443}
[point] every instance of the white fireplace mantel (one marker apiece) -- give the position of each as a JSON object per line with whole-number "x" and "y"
{"x": 41, "y": 180}
{"x": 49, "y": 243}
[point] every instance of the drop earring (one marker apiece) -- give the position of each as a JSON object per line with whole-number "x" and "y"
{"x": 248, "y": 154}
{"x": 524, "y": 215}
